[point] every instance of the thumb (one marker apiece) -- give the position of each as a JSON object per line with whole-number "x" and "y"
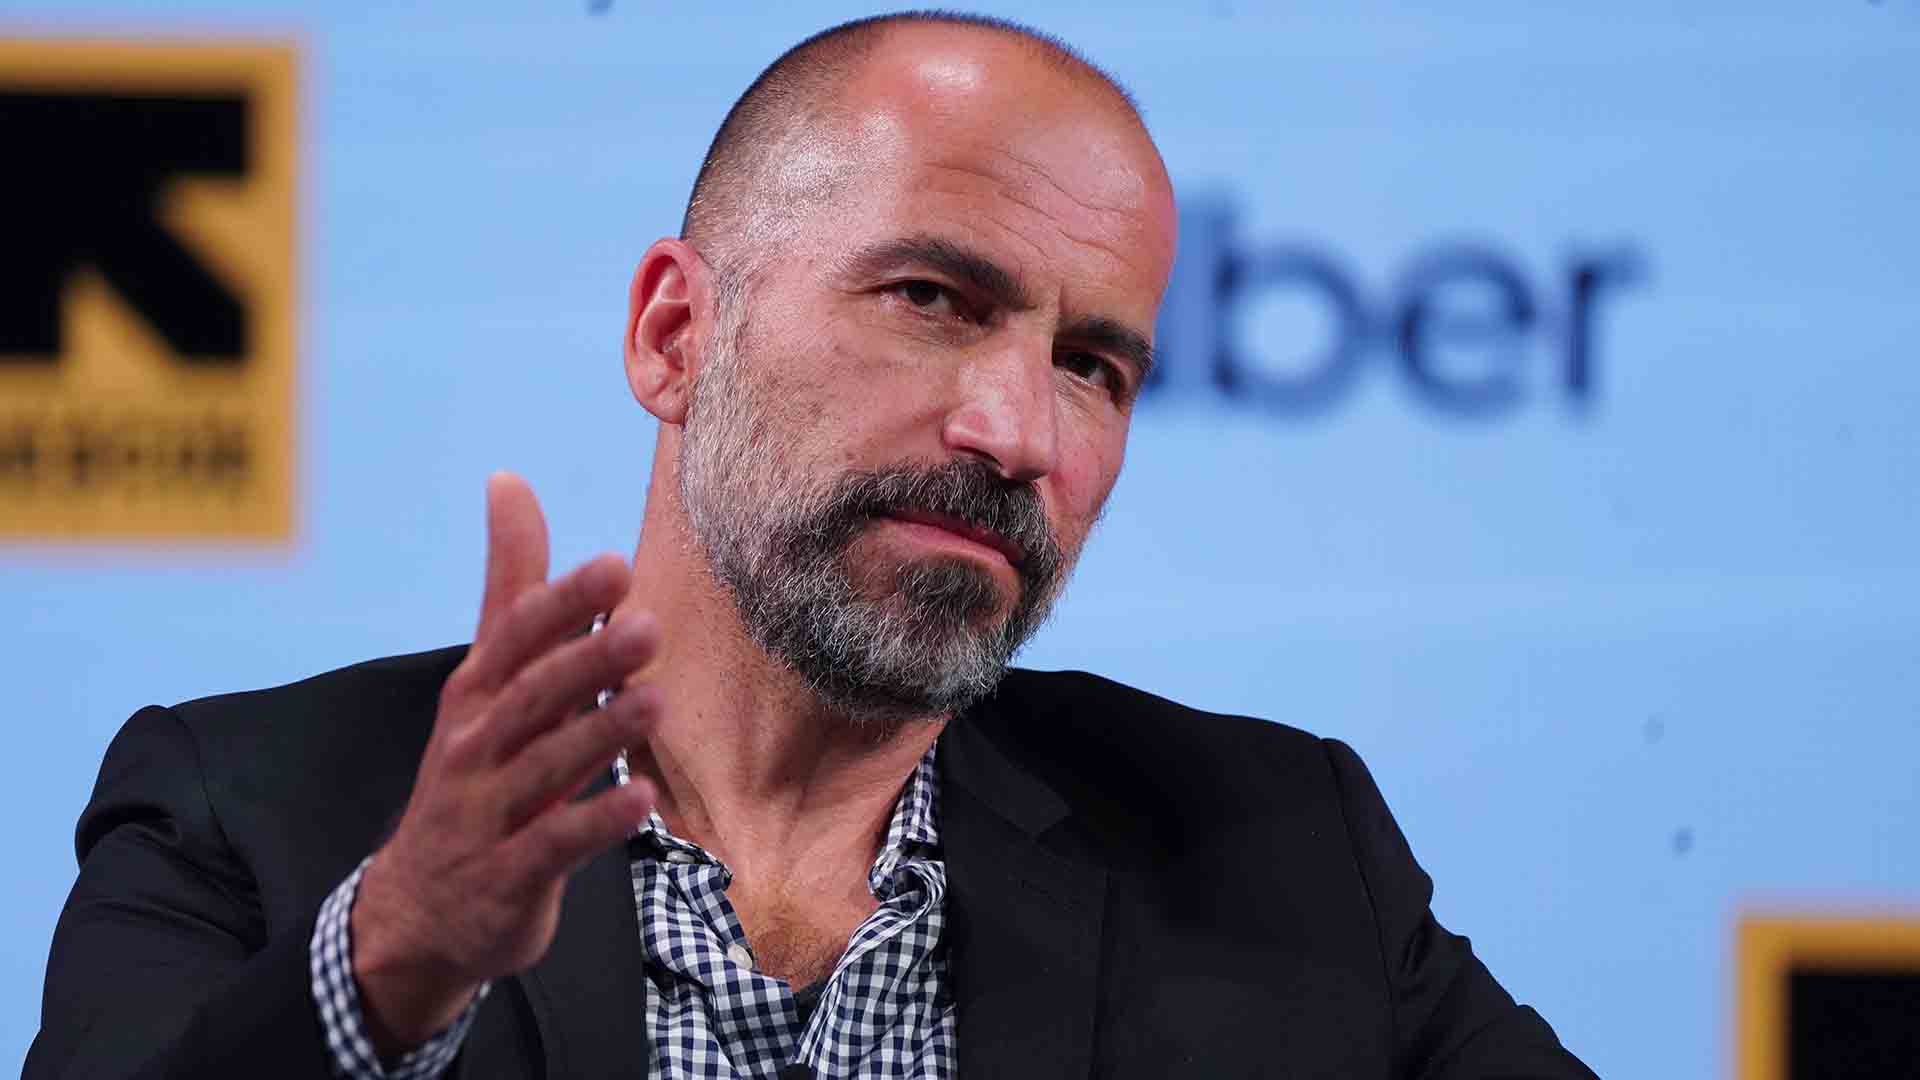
{"x": 516, "y": 547}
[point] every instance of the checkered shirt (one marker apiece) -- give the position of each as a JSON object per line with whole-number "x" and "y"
{"x": 330, "y": 959}
{"x": 886, "y": 1011}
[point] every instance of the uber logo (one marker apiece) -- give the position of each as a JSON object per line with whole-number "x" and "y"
{"x": 1459, "y": 328}
{"x": 147, "y": 309}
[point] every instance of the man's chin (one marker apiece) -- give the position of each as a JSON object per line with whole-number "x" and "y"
{"x": 916, "y": 663}
{"x": 948, "y": 591}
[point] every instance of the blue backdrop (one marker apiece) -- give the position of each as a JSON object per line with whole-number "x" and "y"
{"x": 1629, "y": 657}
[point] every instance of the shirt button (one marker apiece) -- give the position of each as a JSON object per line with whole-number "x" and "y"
{"x": 678, "y": 856}
{"x": 740, "y": 955}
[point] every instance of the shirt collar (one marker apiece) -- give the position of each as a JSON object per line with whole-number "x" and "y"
{"x": 913, "y": 831}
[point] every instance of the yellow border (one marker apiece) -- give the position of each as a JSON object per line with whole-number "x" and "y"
{"x": 269, "y": 72}
{"x": 1772, "y": 946}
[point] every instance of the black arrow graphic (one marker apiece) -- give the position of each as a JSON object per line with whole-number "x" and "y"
{"x": 81, "y": 188}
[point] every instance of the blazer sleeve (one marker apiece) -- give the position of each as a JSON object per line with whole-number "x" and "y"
{"x": 162, "y": 965}
{"x": 1451, "y": 1020}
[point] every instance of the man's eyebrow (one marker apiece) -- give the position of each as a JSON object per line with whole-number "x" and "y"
{"x": 1111, "y": 335}
{"x": 963, "y": 265}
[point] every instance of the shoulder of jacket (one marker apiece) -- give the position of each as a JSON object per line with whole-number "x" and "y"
{"x": 1147, "y": 776}
{"x": 1081, "y": 729}
{"x": 388, "y": 701}
{"x": 388, "y": 678}
{"x": 1086, "y": 703}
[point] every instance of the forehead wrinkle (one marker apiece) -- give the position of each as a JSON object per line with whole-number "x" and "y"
{"x": 1039, "y": 172}
{"x": 1113, "y": 217}
{"x": 972, "y": 221}
{"x": 1095, "y": 282}
{"x": 1013, "y": 191}
{"x": 1012, "y": 195}
{"x": 1069, "y": 235}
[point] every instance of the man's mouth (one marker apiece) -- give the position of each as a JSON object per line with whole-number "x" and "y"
{"x": 983, "y": 537}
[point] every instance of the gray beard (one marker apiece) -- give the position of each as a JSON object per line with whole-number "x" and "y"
{"x": 909, "y": 641}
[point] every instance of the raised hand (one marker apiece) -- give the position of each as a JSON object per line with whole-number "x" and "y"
{"x": 468, "y": 888}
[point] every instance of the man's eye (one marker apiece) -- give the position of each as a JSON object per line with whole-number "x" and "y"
{"x": 921, "y": 293}
{"x": 1088, "y": 366}
{"x": 929, "y": 297}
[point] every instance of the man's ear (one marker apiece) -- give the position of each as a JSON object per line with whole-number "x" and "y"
{"x": 670, "y": 309}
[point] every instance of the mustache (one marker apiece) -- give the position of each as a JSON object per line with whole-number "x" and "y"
{"x": 969, "y": 491}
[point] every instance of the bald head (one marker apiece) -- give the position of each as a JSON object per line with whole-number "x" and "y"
{"x": 793, "y": 139}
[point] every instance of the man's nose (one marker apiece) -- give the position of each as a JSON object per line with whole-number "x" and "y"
{"x": 1006, "y": 411}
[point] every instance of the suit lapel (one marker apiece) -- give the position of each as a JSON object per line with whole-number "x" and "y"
{"x": 589, "y": 993}
{"x": 1024, "y": 944}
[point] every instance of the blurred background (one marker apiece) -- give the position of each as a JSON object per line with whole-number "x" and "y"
{"x": 1537, "y": 416}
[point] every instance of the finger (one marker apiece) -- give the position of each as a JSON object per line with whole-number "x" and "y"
{"x": 566, "y": 681}
{"x": 573, "y": 832}
{"x": 545, "y": 616}
{"x": 551, "y": 767}
{"x": 516, "y": 547}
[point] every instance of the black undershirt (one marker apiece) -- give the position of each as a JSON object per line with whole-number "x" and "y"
{"x": 806, "y": 999}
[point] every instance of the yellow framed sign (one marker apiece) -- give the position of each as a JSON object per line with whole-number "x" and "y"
{"x": 147, "y": 290}
{"x": 1828, "y": 997}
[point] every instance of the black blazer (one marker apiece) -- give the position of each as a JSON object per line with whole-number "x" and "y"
{"x": 1137, "y": 889}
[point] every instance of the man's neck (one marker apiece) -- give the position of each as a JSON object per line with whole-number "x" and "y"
{"x": 749, "y": 763}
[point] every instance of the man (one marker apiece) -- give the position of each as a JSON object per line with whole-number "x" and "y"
{"x": 893, "y": 356}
